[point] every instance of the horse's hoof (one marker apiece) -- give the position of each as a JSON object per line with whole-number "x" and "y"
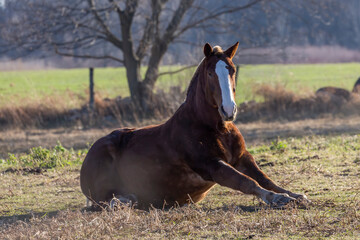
{"x": 301, "y": 198}
{"x": 302, "y": 201}
{"x": 281, "y": 199}
{"x": 119, "y": 201}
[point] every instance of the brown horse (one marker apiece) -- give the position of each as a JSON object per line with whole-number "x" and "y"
{"x": 356, "y": 88}
{"x": 339, "y": 93}
{"x": 178, "y": 162}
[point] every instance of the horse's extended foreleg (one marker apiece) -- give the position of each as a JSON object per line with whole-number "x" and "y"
{"x": 225, "y": 175}
{"x": 248, "y": 166}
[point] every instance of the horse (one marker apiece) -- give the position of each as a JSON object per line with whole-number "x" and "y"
{"x": 178, "y": 162}
{"x": 356, "y": 88}
{"x": 339, "y": 93}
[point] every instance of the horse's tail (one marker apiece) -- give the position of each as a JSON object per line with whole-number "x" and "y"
{"x": 356, "y": 88}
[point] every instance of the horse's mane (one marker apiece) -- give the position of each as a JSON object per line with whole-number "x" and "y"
{"x": 193, "y": 83}
{"x": 217, "y": 50}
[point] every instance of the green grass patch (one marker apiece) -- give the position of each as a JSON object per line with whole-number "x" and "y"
{"x": 44, "y": 158}
{"x": 301, "y": 77}
{"x": 71, "y": 85}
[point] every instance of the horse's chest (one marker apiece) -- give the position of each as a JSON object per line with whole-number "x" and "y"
{"x": 222, "y": 149}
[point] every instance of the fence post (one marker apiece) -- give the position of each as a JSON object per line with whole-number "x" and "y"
{"x": 91, "y": 92}
{"x": 237, "y": 74}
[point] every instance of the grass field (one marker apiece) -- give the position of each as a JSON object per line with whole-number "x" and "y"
{"x": 70, "y": 86}
{"x": 326, "y": 169}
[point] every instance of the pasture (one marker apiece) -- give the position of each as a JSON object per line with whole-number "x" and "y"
{"x": 41, "y": 198}
{"x": 68, "y": 88}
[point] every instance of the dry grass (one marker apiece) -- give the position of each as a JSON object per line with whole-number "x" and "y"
{"x": 279, "y": 104}
{"x": 191, "y": 223}
{"x": 30, "y": 116}
{"x": 327, "y": 169}
{"x": 54, "y": 111}
{"x": 43, "y": 111}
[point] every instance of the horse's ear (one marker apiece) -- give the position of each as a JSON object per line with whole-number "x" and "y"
{"x": 230, "y": 52}
{"x": 207, "y": 50}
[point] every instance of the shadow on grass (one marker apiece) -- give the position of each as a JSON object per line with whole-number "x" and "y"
{"x": 5, "y": 220}
{"x": 225, "y": 208}
{"x": 8, "y": 220}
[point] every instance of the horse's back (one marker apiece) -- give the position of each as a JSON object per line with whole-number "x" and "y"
{"x": 333, "y": 91}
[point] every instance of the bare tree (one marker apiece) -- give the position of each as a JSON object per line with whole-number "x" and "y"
{"x": 138, "y": 31}
{"x": 134, "y": 33}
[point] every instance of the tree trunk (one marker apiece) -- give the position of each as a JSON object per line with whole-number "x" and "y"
{"x": 147, "y": 86}
{"x": 134, "y": 79}
{"x": 142, "y": 92}
{"x": 91, "y": 89}
{"x": 131, "y": 61}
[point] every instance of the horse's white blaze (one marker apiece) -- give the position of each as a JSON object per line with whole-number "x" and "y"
{"x": 228, "y": 102}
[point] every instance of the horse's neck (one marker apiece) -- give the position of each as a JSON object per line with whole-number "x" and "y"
{"x": 196, "y": 107}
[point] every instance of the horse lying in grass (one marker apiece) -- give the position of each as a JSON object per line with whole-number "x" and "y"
{"x": 178, "y": 162}
{"x": 356, "y": 88}
{"x": 339, "y": 93}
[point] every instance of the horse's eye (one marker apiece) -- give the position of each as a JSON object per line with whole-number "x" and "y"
{"x": 233, "y": 89}
{"x": 209, "y": 73}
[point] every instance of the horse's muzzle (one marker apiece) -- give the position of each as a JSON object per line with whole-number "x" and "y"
{"x": 228, "y": 117}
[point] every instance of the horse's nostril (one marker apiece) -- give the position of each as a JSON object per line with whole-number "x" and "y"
{"x": 223, "y": 111}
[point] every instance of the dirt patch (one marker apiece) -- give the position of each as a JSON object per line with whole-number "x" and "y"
{"x": 264, "y": 131}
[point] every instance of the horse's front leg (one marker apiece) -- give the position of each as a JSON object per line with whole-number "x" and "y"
{"x": 225, "y": 175}
{"x": 247, "y": 165}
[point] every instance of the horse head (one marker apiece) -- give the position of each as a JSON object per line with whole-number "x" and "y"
{"x": 219, "y": 76}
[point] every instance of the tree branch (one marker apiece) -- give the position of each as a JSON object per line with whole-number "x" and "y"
{"x": 151, "y": 27}
{"x": 214, "y": 15}
{"x": 88, "y": 56}
{"x": 176, "y": 71}
{"x": 112, "y": 38}
{"x": 159, "y": 48}
{"x": 176, "y": 19}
